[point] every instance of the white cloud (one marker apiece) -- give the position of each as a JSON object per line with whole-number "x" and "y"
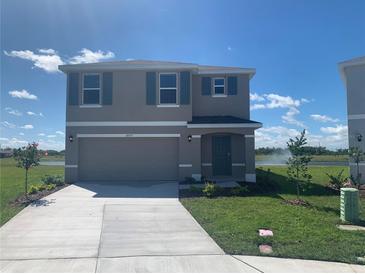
{"x": 4, "y": 139}
{"x": 229, "y": 48}
{"x": 257, "y": 106}
{"x": 41, "y": 134}
{"x": 45, "y": 59}
{"x": 323, "y": 118}
{"x": 60, "y": 132}
{"x": 13, "y": 143}
{"x": 22, "y": 94}
{"x": 256, "y": 97}
{"x": 51, "y": 136}
{"x": 277, "y": 136}
{"x": 21, "y": 133}
{"x": 31, "y": 113}
{"x": 47, "y": 51}
{"x": 27, "y": 127}
{"x": 13, "y": 111}
{"x": 7, "y": 124}
{"x": 273, "y": 101}
{"x": 51, "y": 144}
{"x": 88, "y": 56}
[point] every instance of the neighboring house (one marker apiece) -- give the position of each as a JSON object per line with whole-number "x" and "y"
{"x": 150, "y": 120}
{"x": 6, "y": 153}
{"x": 353, "y": 75}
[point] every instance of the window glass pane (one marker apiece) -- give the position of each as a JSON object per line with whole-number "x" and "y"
{"x": 219, "y": 90}
{"x": 91, "y": 81}
{"x": 168, "y": 80}
{"x": 219, "y": 82}
{"x": 168, "y": 96}
{"x": 91, "y": 96}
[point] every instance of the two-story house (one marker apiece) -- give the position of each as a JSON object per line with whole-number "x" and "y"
{"x": 353, "y": 74}
{"x": 150, "y": 120}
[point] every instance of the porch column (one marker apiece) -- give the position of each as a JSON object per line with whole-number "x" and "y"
{"x": 196, "y": 156}
{"x": 250, "y": 175}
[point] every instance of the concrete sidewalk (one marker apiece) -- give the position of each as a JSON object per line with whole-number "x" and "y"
{"x": 125, "y": 228}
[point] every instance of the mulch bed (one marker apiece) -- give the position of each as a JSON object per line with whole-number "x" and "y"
{"x": 26, "y": 200}
{"x": 297, "y": 202}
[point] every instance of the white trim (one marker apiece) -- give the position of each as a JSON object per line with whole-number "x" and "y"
{"x": 206, "y": 164}
{"x": 238, "y": 164}
{"x": 250, "y": 177}
{"x": 168, "y": 106}
{"x": 99, "y": 89}
{"x": 353, "y": 62}
{"x": 249, "y": 136}
{"x": 219, "y": 95}
{"x": 196, "y": 136}
{"x": 126, "y": 123}
{"x": 128, "y": 135}
{"x": 176, "y": 88}
{"x": 360, "y": 164}
{"x": 185, "y": 165}
{"x": 356, "y": 116}
{"x": 71, "y": 166}
{"x": 91, "y": 106}
{"x": 238, "y": 125}
{"x": 219, "y": 86}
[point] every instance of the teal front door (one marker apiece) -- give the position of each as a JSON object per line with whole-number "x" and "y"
{"x": 221, "y": 154}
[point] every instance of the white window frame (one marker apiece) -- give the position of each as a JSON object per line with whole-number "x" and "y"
{"x": 224, "y": 87}
{"x": 159, "y": 90}
{"x": 100, "y": 91}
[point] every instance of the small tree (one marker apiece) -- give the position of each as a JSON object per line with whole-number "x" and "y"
{"x": 356, "y": 155}
{"x": 27, "y": 157}
{"x": 298, "y": 162}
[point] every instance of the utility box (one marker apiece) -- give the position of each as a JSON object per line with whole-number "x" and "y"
{"x": 349, "y": 205}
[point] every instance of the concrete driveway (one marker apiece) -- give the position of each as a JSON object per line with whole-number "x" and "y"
{"x": 121, "y": 228}
{"x": 106, "y": 228}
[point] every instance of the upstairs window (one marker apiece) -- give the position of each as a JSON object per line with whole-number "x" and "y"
{"x": 218, "y": 86}
{"x": 168, "y": 88}
{"x": 91, "y": 89}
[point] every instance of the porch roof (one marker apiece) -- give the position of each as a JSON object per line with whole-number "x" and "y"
{"x": 222, "y": 121}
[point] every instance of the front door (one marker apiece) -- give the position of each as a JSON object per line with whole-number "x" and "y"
{"x": 221, "y": 150}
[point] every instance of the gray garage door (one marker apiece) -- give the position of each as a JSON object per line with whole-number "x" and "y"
{"x": 128, "y": 159}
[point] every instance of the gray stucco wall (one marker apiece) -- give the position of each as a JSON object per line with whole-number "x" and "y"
{"x": 234, "y": 105}
{"x": 355, "y": 85}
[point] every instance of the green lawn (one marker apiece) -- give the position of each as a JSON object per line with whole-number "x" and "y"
{"x": 12, "y": 184}
{"x": 299, "y": 232}
{"x": 53, "y": 158}
{"x": 316, "y": 158}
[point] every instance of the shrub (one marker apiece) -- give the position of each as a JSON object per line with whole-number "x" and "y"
{"x": 195, "y": 190}
{"x": 336, "y": 181}
{"x": 50, "y": 186}
{"x": 53, "y": 179}
{"x": 33, "y": 189}
{"x": 211, "y": 189}
{"x": 239, "y": 190}
{"x": 42, "y": 187}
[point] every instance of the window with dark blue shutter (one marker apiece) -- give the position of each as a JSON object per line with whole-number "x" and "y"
{"x": 185, "y": 88}
{"x": 107, "y": 88}
{"x": 151, "y": 88}
{"x": 91, "y": 89}
{"x": 206, "y": 85}
{"x": 73, "y": 88}
{"x": 168, "y": 88}
{"x": 232, "y": 85}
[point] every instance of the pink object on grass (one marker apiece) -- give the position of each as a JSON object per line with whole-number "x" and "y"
{"x": 265, "y": 233}
{"x": 265, "y": 249}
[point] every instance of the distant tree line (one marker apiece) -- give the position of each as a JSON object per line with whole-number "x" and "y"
{"x": 310, "y": 150}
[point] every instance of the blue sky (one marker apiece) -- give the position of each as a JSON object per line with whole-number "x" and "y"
{"x": 294, "y": 45}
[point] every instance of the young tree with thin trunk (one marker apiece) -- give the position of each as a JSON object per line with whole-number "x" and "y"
{"x": 298, "y": 163}
{"x": 27, "y": 157}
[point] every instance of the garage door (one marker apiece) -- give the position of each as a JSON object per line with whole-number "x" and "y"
{"x": 128, "y": 159}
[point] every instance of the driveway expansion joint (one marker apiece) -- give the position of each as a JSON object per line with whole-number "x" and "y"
{"x": 249, "y": 265}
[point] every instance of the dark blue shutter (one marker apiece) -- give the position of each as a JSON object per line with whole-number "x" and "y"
{"x": 151, "y": 88}
{"x": 185, "y": 87}
{"x": 206, "y": 85}
{"x": 73, "y": 88}
{"x": 232, "y": 85}
{"x": 107, "y": 88}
